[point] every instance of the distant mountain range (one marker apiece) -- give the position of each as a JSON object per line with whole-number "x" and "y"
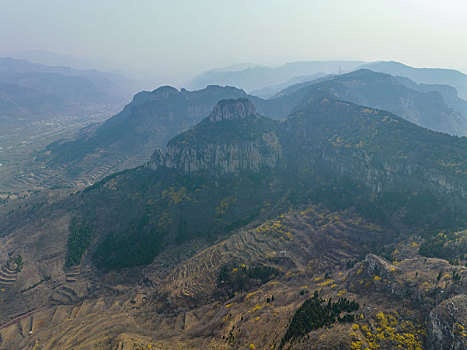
{"x": 266, "y": 81}
{"x": 423, "y": 75}
{"x": 304, "y": 80}
{"x": 50, "y": 58}
{"x": 31, "y": 89}
{"x": 424, "y": 105}
{"x": 256, "y": 78}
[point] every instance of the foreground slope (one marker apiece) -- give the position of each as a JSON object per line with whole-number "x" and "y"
{"x": 245, "y": 290}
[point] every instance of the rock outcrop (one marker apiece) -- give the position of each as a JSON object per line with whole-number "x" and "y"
{"x": 446, "y": 325}
{"x": 232, "y": 139}
{"x": 376, "y": 266}
{"x": 377, "y": 275}
{"x": 232, "y": 109}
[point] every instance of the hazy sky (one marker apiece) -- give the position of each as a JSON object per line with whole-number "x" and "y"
{"x": 170, "y": 41}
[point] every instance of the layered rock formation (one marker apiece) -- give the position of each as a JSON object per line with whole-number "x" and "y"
{"x": 446, "y": 324}
{"x": 237, "y": 139}
{"x": 232, "y": 109}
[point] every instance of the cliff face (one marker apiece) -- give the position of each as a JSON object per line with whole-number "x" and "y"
{"x": 388, "y": 174}
{"x": 446, "y": 324}
{"x": 235, "y": 138}
{"x": 232, "y": 109}
{"x": 227, "y": 158}
{"x": 128, "y": 139}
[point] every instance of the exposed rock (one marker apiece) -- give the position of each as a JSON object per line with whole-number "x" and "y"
{"x": 376, "y": 274}
{"x": 446, "y": 325}
{"x": 225, "y": 151}
{"x": 232, "y": 109}
{"x": 376, "y": 266}
{"x": 157, "y": 159}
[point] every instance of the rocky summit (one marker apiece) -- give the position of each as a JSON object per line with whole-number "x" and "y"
{"x": 238, "y": 140}
{"x": 232, "y": 109}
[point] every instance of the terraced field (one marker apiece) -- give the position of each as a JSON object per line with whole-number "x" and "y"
{"x": 7, "y": 277}
{"x": 20, "y": 139}
{"x": 306, "y": 240}
{"x": 175, "y": 303}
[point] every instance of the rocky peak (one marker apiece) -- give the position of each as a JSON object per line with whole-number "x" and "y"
{"x": 376, "y": 266}
{"x": 249, "y": 143}
{"x": 165, "y": 91}
{"x": 161, "y": 93}
{"x": 232, "y": 109}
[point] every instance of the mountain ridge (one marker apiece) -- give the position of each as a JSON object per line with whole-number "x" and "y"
{"x": 423, "y": 75}
{"x": 255, "y": 78}
{"x": 252, "y": 144}
{"x": 426, "y": 107}
{"x": 71, "y": 87}
{"x": 153, "y": 118}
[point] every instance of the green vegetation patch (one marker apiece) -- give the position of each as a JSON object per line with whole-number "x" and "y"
{"x": 15, "y": 263}
{"x": 234, "y": 277}
{"x": 154, "y": 210}
{"x": 79, "y": 239}
{"x": 315, "y": 313}
{"x": 448, "y": 245}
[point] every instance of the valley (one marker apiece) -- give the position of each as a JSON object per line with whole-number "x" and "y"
{"x": 21, "y": 172}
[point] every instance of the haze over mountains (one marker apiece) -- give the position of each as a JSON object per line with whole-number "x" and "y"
{"x": 327, "y": 216}
{"x": 50, "y": 58}
{"x": 255, "y": 78}
{"x": 38, "y": 90}
{"x": 422, "y": 105}
{"x": 266, "y": 77}
{"x": 424, "y": 75}
{"x": 152, "y": 118}
{"x": 220, "y": 175}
